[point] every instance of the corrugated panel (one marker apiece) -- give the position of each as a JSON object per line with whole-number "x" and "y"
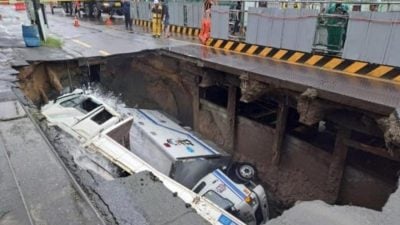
{"x": 377, "y": 38}
{"x": 252, "y": 27}
{"x": 264, "y": 26}
{"x": 220, "y": 22}
{"x": 173, "y": 13}
{"x": 306, "y": 30}
{"x": 392, "y": 56}
{"x": 198, "y": 12}
{"x": 290, "y": 29}
{"x": 357, "y": 31}
{"x": 180, "y": 14}
{"x": 189, "y": 10}
{"x": 275, "y": 33}
{"x": 214, "y": 22}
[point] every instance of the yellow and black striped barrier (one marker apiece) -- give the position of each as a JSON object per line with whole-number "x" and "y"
{"x": 350, "y": 67}
{"x": 173, "y": 28}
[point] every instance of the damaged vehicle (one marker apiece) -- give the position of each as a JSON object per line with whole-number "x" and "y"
{"x": 221, "y": 192}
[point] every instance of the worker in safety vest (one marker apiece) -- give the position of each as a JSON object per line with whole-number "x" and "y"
{"x": 336, "y": 27}
{"x": 157, "y": 17}
{"x": 205, "y": 28}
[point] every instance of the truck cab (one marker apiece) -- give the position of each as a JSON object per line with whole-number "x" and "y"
{"x": 81, "y": 115}
{"x": 248, "y": 203}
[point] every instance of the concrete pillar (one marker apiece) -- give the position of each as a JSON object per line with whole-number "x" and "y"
{"x": 231, "y": 115}
{"x": 280, "y": 130}
{"x": 196, "y": 107}
{"x": 338, "y": 163}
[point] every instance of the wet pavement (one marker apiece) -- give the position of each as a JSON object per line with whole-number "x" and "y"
{"x": 34, "y": 187}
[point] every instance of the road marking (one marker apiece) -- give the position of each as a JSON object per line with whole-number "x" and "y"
{"x": 380, "y": 71}
{"x": 104, "y": 53}
{"x": 265, "y": 52}
{"x": 82, "y": 43}
{"x": 334, "y": 62}
{"x": 279, "y": 54}
{"x": 356, "y": 66}
{"x": 296, "y": 56}
{"x": 314, "y": 59}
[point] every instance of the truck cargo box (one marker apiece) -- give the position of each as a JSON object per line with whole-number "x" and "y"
{"x": 172, "y": 149}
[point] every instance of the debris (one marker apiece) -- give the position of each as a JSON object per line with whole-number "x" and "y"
{"x": 310, "y": 109}
{"x": 252, "y": 89}
{"x": 391, "y": 128}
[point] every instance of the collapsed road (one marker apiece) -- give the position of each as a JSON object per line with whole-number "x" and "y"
{"x": 312, "y": 134}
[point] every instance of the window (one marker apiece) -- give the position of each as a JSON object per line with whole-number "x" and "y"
{"x": 74, "y": 102}
{"x": 218, "y": 199}
{"x": 81, "y": 103}
{"x": 88, "y": 105}
{"x": 102, "y": 117}
{"x": 199, "y": 187}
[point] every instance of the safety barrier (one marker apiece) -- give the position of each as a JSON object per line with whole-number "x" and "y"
{"x": 219, "y": 21}
{"x": 189, "y": 31}
{"x": 282, "y": 28}
{"x": 325, "y": 62}
{"x": 316, "y": 27}
{"x": 373, "y": 37}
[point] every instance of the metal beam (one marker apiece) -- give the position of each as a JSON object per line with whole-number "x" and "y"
{"x": 280, "y": 130}
{"x": 382, "y": 152}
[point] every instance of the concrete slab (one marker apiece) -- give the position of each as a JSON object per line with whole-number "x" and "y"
{"x": 11, "y": 110}
{"x": 44, "y": 184}
{"x": 12, "y": 208}
{"x": 142, "y": 193}
{"x": 337, "y": 87}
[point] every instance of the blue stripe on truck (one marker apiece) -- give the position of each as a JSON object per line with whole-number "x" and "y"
{"x": 224, "y": 220}
{"x": 178, "y": 131}
{"x": 229, "y": 184}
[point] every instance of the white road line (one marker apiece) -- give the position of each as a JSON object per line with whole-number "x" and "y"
{"x": 82, "y": 43}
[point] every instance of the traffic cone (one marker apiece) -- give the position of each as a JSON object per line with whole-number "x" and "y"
{"x": 76, "y": 22}
{"x": 108, "y": 21}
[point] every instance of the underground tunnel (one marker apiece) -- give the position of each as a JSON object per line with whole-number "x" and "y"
{"x": 304, "y": 147}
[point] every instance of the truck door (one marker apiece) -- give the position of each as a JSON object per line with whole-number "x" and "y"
{"x": 94, "y": 122}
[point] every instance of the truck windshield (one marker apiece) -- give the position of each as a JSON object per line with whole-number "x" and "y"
{"x": 218, "y": 199}
{"x": 81, "y": 103}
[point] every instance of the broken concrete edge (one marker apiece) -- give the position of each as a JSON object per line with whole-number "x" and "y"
{"x": 318, "y": 212}
{"x": 74, "y": 182}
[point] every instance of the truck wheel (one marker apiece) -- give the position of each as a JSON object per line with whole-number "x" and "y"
{"x": 245, "y": 172}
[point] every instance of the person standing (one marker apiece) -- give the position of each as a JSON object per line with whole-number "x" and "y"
{"x": 165, "y": 18}
{"x": 126, "y": 8}
{"x": 238, "y": 17}
{"x": 157, "y": 14}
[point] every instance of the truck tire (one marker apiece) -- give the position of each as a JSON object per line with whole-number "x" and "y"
{"x": 245, "y": 172}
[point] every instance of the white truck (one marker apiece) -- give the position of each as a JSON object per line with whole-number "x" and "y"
{"x": 161, "y": 146}
{"x": 191, "y": 161}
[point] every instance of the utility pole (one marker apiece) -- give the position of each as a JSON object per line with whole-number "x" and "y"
{"x": 33, "y": 8}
